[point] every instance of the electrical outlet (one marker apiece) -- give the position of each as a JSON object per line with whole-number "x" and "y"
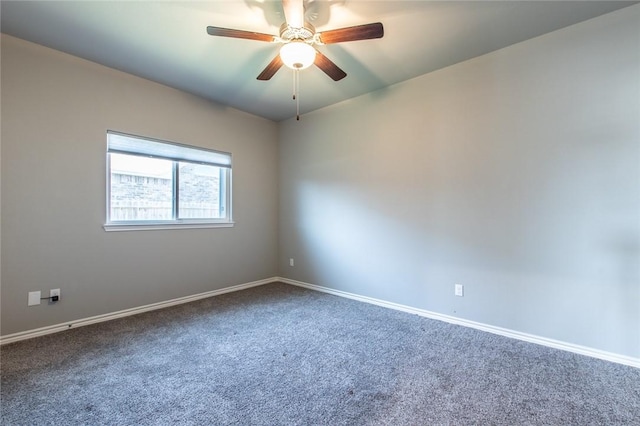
{"x": 54, "y": 293}
{"x": 459, "y": 290}
{"x": 34, "y": 298}
{"x": 291, "y": 261}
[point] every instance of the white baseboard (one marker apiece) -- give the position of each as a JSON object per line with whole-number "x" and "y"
{"x": 556, "y": 344}
{"x": 15, "y": 337}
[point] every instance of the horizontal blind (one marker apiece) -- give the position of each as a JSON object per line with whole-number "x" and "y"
{"x": 121, "y": 143}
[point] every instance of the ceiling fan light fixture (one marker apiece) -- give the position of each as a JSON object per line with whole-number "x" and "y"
{"x": 297, "y": 54}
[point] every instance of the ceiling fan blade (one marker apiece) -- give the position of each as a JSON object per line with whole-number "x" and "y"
{"x": 359, "y": 32}
{"x": 294, "y": 13}
{"x": 271, "y": 69}
{"x": 249, "y": 35}
{"x": 329, "y": 68}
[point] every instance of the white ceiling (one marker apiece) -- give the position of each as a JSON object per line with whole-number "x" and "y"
{"x": 166, "y": 41}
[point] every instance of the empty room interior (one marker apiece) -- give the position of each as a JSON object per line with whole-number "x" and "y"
{"x": 431, "y": 218}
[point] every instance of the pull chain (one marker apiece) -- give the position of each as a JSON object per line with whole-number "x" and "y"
{"x": 295, "y": 74}
{"x": 296, "y": 90}
{"x": 297, "y": 93}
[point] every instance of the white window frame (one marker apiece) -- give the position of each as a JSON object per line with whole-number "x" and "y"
{"x": 156, "y": 148}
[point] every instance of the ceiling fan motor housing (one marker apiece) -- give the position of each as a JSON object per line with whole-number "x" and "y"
{"x": 305, "y": 33}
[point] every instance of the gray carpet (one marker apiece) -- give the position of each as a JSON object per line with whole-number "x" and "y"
{"x": 279, "y": 354}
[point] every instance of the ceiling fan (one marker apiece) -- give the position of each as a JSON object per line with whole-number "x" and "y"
{"x": 298, "y": 39}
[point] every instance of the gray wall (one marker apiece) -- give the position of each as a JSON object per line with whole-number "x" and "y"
{"x": 516, "y": 174}
{"x": 56, "y": 110}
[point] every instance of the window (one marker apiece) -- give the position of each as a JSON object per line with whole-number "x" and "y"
{"x": 153, "y": 184}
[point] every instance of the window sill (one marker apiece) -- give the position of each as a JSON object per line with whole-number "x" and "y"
{"x": 164, "y": 226}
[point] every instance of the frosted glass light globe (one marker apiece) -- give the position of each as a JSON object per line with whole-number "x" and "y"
{"x": 297, "y": 55}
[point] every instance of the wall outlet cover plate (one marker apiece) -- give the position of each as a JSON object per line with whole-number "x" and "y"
{"x": 34, "y": 298}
